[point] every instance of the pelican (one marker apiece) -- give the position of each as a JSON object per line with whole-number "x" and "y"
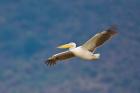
{"x": 85, "y": 51}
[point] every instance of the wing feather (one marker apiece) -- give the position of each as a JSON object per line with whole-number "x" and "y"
{"x": 99, "y": 39}
{"x": 58, "y": 57}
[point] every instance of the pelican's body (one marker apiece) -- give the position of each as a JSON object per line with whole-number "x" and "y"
{"x": 85, "y": 51}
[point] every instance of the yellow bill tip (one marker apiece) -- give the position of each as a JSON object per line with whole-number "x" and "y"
{"x": 64, "y": 46}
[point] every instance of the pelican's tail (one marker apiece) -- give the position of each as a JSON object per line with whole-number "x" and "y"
{"x": 96, "y": 56}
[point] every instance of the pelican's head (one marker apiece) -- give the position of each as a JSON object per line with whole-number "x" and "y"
{"x": 69, "y": 45}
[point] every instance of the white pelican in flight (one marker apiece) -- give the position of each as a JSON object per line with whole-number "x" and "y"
{"x": 85, "y": 51}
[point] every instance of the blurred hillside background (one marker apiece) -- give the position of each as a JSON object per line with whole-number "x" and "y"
{"x": 30, "y": 31}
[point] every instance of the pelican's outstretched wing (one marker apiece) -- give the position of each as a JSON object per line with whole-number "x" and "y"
{"x": 99, "y": 38}
{"x": 60, "y": 56}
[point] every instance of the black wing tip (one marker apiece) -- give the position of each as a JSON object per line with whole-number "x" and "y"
{"x": 50, "y": 62}
{"x": 112, "y": 30}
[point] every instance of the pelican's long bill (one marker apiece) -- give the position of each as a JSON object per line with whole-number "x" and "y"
{"x": 65, "y": 46}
